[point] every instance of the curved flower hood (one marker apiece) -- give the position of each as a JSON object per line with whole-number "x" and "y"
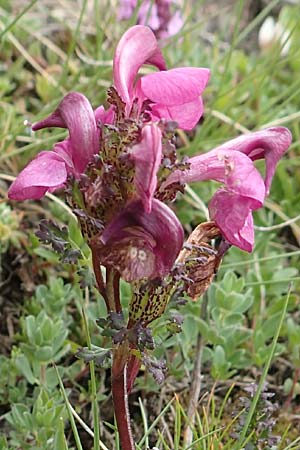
{"x": 75, "y": 113}
{"x": 173, "y": 94}
{"x": 244, "y": 188}
{"x": 137, "y": 46}
{"x": 49, "y": 170}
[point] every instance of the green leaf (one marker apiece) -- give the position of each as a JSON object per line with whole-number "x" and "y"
{"x": 97, "y": 354}
{"x": 30, "y": 327}
{"x": 293, "y": 331}
{"x": 60, "y": 442}
{"x": 219, "y": 358}
{"x": 24, "y": 367}
{"x": 3, "y": 443}
{"x": 16, "y": 416}
{"x": 44, "y": 354}
{"x": 233, "y": 319}
{"x": 228, "y": 281}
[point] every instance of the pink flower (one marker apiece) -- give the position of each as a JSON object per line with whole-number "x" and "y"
{"x": 173, "y": 94}
{"x": 244, "y": 188}
{"x": 126, "y": 8}
{"x": 158, "y": 15}
{"x": 140, "y": 244}
{"x": 147, "y": 159}
{"x": 50, "y": 169}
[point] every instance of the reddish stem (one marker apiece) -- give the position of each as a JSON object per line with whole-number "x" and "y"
{"x": 120, "y": 397}
{"x": 111, "y": 294}
{"x": 133, "y": 368}
{"x": 98, "y": 276}
{"x": 116, "y": 287}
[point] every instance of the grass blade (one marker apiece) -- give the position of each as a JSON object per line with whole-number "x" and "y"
{"x": 13, "y": 22}
{"x": 253, "y": 406}
{"x": 71, "y": 418}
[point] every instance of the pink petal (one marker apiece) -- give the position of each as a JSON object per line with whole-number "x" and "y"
{"x": 148, "y": 15}
{"x": 234, "y": 169}
{"x": 137, "y": 46}
{"x": 64, "y": 150}
{"x": 175, "y": 24}
{"x": 270, "y": 144}
{"x": 176, "y": 86}
{"x": 233, "y": 215}
{"x": 126, "y": 8}
{"x": 75, "y": 113}
{"x": 46, "y": 172}
{"x": 142, "y": 245}
{"x": 105, "y": 116}
{"x": 147, "y": 158}
{"x": 186, "y": 115}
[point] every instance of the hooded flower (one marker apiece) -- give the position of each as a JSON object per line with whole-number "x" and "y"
{"x": 244, "y": 188}
{"x": 173, "y": 94}
{"x": 140, "y": 244}
{"x": 50, "y": 169}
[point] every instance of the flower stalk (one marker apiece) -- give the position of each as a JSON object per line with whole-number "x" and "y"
{"x": 120, "y": 171}
{"x": 120, "y": 357}
{"x": 120, "y": 395}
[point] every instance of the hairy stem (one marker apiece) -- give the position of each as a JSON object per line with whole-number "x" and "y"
{"x": 121, "y": 356}
{"x": 113, "y": 300}
{"x": 133, "y": 368}
{"x": 120, "y": 397}
{"x": 99, "y": 277}
{"x": 116, "y": 288}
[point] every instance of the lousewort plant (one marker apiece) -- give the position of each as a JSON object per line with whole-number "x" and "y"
{"x": 120, "y": 171}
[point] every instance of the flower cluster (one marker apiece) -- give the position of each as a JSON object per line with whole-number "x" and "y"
{"x": 122, "y": 164}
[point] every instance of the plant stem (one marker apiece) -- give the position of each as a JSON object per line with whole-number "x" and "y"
{"x": 111, "y": 294}
{"x": 113, "y": 300}
{"x": 121, "y": 355}
{"x": 43, "y": 374}
{"x": 133, "y": 368}
{"x": 95, "y": 406}
{"x": 120, "y": 397}
{"x": 98, "y": 276}
{"x": 116, "y": 287}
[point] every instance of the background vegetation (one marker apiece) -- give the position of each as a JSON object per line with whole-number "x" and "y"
{"x": 246, "y": 331}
